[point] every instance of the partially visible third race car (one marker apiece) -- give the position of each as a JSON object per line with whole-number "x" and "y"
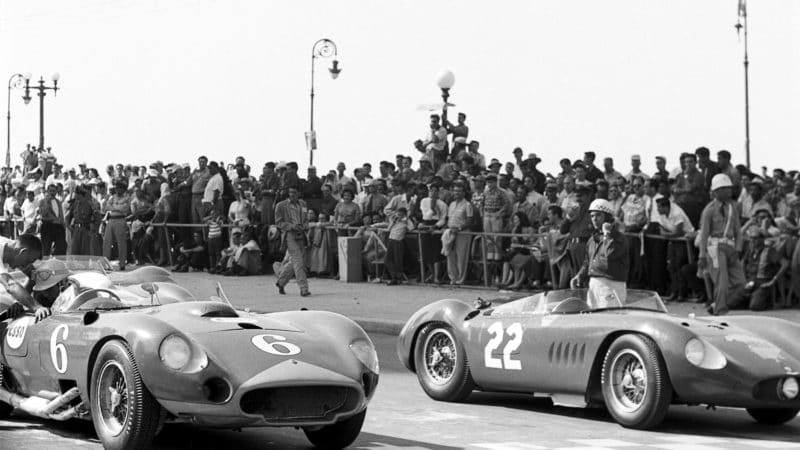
{"x": 132, "y": 354}
{"x": 630, "y": 355}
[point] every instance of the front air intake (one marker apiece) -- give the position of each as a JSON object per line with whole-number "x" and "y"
{"x": 298, "y": 404}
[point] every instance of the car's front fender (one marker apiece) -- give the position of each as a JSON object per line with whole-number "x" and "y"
{"x": 449, "y": 311}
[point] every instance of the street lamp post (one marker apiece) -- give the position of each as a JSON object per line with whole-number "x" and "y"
{"x": 323, "y": 48}
{"x": 445, "y": 80}
{"x": 741, "y": 25}
{"x": 13, "y": 83}
{"x": 41, "y": 88}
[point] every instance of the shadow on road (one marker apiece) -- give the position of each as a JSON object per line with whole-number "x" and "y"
{"x": 680, "y": 420}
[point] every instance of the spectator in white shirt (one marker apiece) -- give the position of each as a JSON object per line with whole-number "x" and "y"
{"x": 674, "y": 223}
{"x": 212, "y": 195}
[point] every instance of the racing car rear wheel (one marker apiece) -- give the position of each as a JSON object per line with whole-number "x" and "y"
{"x": 442, "y": 367}
{"x": 5, "y": 408}
{"x": 339, "y": 435}
{"x": 635, "y": 383}
{"x": 124, "y": 413}
{"x": 773, "y": 416}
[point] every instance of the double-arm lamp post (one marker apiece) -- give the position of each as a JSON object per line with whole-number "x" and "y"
{"x": 323, "y": 48}
{"x": 42, "y": 88}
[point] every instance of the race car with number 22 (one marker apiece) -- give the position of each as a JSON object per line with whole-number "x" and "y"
{"x": 132, "y": 358}
{"x": 629, "y": 355}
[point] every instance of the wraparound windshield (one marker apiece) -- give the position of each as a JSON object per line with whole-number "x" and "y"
{"x": 87, "y": 291}
{"x": 579, "y": 300}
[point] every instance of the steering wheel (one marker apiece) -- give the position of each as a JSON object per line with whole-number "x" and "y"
{"x": 86, "y": 296}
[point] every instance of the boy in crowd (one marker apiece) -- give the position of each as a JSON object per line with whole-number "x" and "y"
{"x": 194, "y": 256}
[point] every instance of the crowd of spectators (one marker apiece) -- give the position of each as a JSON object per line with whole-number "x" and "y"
{"x": 439, "y": 214}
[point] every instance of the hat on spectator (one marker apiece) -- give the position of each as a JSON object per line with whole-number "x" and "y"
{"x": 152, "y": 173}
{"x": 661, "y": 158}
{"x": 281, "y": 165}
{"x": 83, "y": 164}
{"x": 551, "y": 185}
{"x": 590, "y": 155}
{"x": 495, "y": 162}
{"x": 491, "y": 177}
{"x": 534, "y": 157}
{"x": 517, "y": 150}
{"x": 636, "y": 158}
{"x": 756, "y": 181}
{"x": 269, "y": 164}
{"x": 424, "y": 158}
{"x": 603, "y": 206}
{"x": 460, "y": 140}
{"x": 720, "y": 181}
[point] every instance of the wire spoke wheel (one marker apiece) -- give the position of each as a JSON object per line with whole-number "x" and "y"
{"x": 440, "y": 356}
{"x": 629, "y": 380}
{"x": 112, "y": 398}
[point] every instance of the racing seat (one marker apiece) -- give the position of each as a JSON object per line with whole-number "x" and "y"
{"x": 570, "y": 306}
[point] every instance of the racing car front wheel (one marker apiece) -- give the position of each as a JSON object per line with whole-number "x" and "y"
{"x": 124, "y": 413}
{"x": 773, "y": 416}
{"x": 441, "y": 363}
{"x": 635, "y": 383}
{"x": 339, "y": 435}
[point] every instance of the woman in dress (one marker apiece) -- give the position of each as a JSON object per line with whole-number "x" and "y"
{"x": 239, "y": 212}
{"x": 318, "y": 254}
{"x": 347, "y": 213}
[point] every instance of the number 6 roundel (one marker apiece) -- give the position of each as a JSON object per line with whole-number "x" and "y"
{"x": 275, "y": 344}
{"x": 514, "y": 331}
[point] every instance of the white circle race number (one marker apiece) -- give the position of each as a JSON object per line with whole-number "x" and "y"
{"x": 275, "y": 344}
{"x": 15, "y": 335}
{"x": 58, "y": 352}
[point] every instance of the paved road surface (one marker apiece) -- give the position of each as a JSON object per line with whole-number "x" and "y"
{"x": 402, "y": 416}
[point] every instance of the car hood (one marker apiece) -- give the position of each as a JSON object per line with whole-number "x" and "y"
{"x": 211, "y": 317}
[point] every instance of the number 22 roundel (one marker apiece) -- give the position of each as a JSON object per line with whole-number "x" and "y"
{"x": 514, "y": 332}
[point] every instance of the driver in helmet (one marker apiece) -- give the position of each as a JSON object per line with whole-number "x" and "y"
{"x": 48, "y": 282}
{"x": 607, "y": 260}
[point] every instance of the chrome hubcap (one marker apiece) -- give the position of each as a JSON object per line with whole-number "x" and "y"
{"x": 628, "y": 380}
{"x": 112, "y": 398}
{"x": 440, "y": 356}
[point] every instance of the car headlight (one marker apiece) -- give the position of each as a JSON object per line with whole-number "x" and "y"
{"x": 365, "y": 352}
{"x": 789, "y": 388}
{"x": 704, "y": 355}
{"x": 175, "y": 352}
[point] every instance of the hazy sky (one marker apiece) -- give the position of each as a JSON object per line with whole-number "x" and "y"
{"x": 172, "y": 79}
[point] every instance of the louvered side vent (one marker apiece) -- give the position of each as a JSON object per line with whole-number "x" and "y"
{"x": 567, "y": 354}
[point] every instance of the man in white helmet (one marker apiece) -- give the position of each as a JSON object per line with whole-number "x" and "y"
{"x": 720, "y": 244}
{"x": 607, "y": 260}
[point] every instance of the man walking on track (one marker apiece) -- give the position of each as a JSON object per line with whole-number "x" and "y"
{"x": 291, "y": 218}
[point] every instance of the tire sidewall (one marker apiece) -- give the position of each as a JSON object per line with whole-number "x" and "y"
{"x": 119, "y": 352}
{"x": 449, "y": 390}
{"x": 657, "y": 382}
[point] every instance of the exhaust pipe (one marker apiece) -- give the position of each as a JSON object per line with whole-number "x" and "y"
{"x": 42, "y": 407}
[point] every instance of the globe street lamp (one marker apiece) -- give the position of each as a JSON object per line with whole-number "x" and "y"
{"x": 41, "y": 88}
{"x": 445, "y": 80}
{"x": 323, "y": 48}
{"x": 13, "y": 83}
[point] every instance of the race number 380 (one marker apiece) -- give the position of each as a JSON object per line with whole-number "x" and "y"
{"x": 275, "y": 344}
{"x": 514, "y": 331}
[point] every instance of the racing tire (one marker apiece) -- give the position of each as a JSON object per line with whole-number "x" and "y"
{"x": 339, "y": 435}
{"x": 635, "y": 382}
{"x": 447, "y": 377}
{"x": 773, "y": 416}
{"x": 124, "y": 413}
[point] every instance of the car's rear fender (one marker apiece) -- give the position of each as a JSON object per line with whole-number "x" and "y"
{"x": 449, "y": 311}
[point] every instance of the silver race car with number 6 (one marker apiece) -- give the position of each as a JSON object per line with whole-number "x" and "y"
{"x": 131, "y": 357}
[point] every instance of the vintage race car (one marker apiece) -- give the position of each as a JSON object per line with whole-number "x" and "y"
{"x": 131, "y": 355}
{"x": 631, "y": 356}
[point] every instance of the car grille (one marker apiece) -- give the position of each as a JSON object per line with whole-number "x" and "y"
{"x": 305, "y": 403}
